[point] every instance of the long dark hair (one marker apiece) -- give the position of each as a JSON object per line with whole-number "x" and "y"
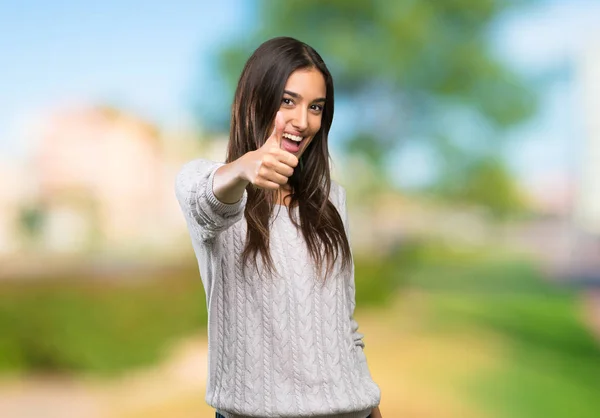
{"x": 257, "y": 100}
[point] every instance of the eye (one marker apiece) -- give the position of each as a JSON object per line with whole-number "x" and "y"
{"x": 317, "y": 108}
{"x": 287, "y": 101}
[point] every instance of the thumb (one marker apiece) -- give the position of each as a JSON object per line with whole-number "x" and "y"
{"x": 278, "y": 129}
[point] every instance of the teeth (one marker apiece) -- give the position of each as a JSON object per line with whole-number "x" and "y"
{"x": 292, "y": 137}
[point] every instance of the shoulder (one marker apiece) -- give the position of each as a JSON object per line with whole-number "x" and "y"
{"x": 199, "y": 165}
{"x": 192, "y": 170}
{"x": 192, "y": 175}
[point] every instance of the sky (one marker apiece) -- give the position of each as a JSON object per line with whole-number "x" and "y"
{"x": 551, "y": 38}
{"x": 141, "y": 55}
{"x": 149, "y": 57}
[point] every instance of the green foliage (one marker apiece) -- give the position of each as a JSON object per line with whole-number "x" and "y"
{"x": 488, "y": 183}
{"x": 401, "y": 66}
{"x": 31, "y": 221}
{"x": 68, "y": 325}
{"x": 379, "y": 279}
{"x": 408, "y": 50}
{"x": 550, "y": 364}
{"x": 71, "y": 325}
{"x": 376, "y": 280}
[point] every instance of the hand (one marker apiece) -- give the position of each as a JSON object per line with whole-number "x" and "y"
{"x": 269, "y": 167}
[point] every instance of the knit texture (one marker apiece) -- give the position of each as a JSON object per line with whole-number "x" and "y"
{"x": 280, "y": 345}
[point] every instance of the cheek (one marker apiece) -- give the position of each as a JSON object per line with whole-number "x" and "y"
{"x": 316, "y": 124}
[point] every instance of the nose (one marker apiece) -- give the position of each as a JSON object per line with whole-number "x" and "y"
{"x": 300, "y": 119}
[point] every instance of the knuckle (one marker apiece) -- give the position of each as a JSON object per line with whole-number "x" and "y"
{"x": 268, "y": 161}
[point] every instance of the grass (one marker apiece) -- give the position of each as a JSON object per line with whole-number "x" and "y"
{"x": 551, "y": 366}
{"x": 69, "y": 325}
{"x": 545, "y": 362}
{"x": 79, "y": 325}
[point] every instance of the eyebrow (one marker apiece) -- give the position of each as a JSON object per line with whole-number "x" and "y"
{"x": 298, "y": 96}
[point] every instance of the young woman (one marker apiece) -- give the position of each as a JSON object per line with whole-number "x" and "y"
{"x": 270, "y": 231}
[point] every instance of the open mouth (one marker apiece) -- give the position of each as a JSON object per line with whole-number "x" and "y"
{"x": 291, "y": 143}
{"x": 291, "y": 137}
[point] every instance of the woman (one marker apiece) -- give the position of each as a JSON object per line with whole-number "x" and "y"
{"x": 270, "y": 231}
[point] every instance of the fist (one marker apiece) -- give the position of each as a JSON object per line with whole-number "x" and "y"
{"x": 270, "y": 167}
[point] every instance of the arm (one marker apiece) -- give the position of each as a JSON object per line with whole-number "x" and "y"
{"x": 268, "y": 168}
{"x": 229, "y": 183}
{"x": 212, "y": 195}
{"x": 203, "y": 210}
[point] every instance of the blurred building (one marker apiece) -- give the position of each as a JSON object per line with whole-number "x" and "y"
{"x": 100, "y": 177}
{"x": 587, "y": 212}
{"x": 100, "y": 181}
{"x": 15, "y": 191}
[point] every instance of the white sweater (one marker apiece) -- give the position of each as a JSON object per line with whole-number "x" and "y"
{"x": 278, "y": 346}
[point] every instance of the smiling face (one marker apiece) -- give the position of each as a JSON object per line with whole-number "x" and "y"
{"x": 302, "y": 108}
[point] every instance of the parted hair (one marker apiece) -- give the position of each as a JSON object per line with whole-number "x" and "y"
{"x": 257, "y": 99}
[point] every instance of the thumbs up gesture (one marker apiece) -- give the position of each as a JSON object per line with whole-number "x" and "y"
{"x": 270, "y": 166}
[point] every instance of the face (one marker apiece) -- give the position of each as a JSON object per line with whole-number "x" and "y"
{"x": 302, "y": 108}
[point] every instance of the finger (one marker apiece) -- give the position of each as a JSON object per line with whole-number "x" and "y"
{"x": 275, "y": 171}
{"x": 278, "y": 129}
{"x": 266, "y": 184}
{"x": 277, "y": 178}
{"x": 288, "y": 158}
{"x": 283, "y": 169}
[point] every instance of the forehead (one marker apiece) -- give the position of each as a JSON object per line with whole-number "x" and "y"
{"x": 308, "y": 82}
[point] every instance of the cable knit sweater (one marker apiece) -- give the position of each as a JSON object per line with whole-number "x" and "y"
{"x": 284, "y": 345}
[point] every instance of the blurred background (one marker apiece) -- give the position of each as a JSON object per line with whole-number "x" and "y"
{"x": 466, "y": 133}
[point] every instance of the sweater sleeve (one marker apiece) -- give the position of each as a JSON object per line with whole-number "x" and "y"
{"x": 357, "y": 336}
{"x": 201, "y": 208}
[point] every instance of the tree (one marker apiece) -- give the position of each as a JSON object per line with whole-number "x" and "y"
{"x": 487, "y": 183}
{"x": 403, "y": 67}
